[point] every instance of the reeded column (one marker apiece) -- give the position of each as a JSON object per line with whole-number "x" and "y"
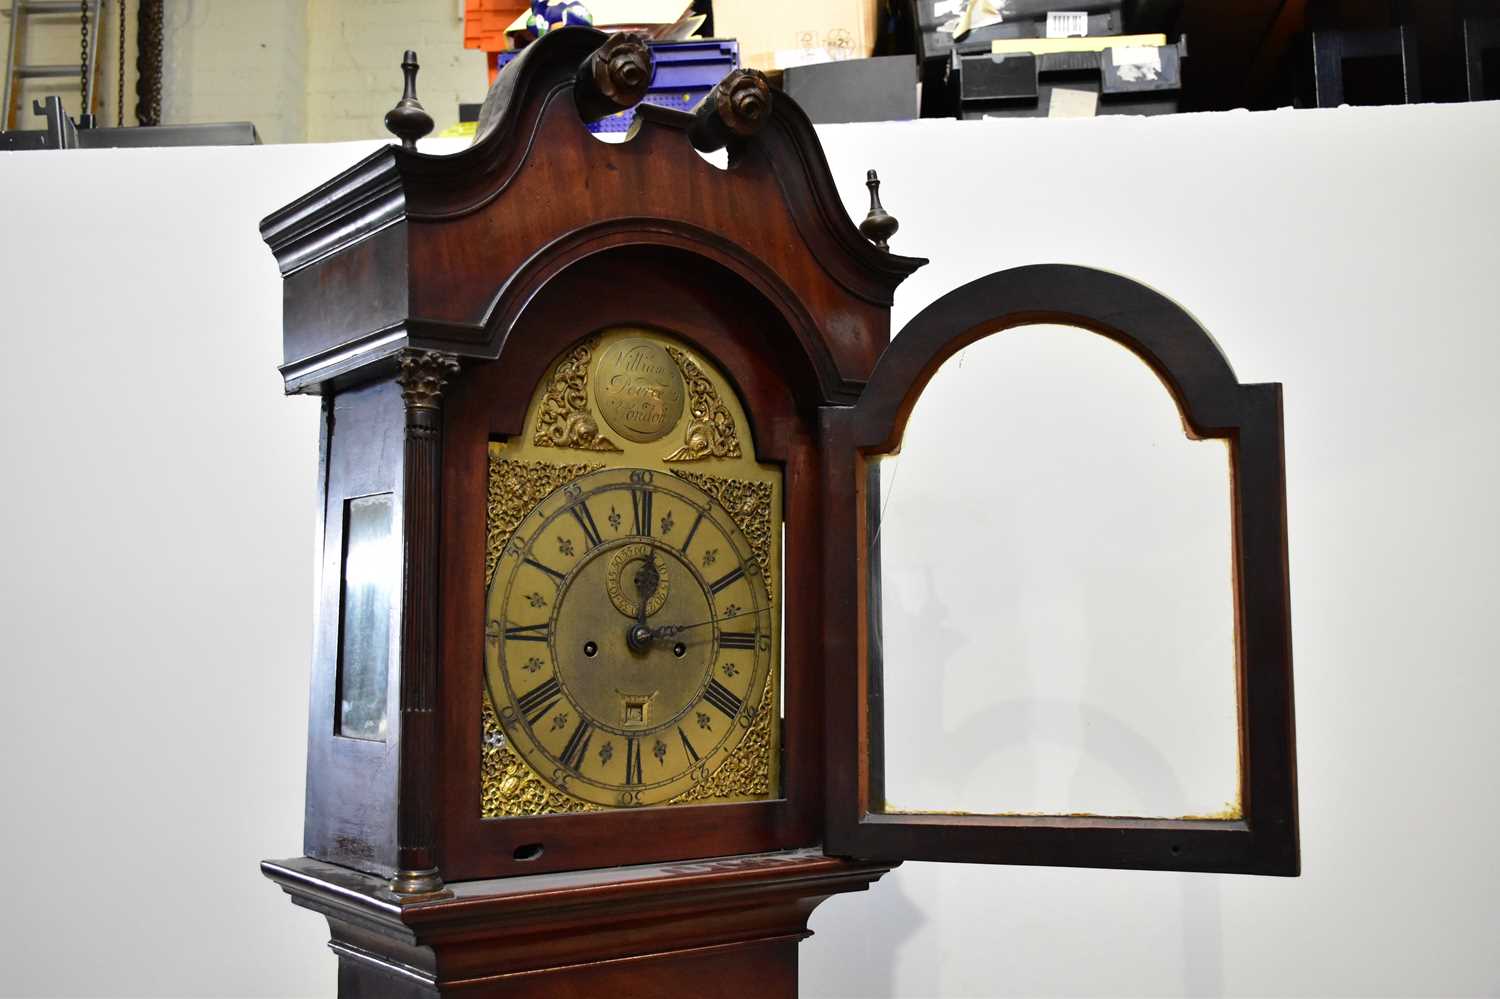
{"x": 424, "y": 373}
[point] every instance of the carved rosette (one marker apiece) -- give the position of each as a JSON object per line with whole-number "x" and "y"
{"x": 564, "y": 419}
{"x": 736, "y": 108}
{"x": 620, "y": 69}
{"x": 710, "y": 432}
{"x": 743, "y": 101}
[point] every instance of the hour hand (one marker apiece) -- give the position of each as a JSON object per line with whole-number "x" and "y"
{"x": 647, "y": 579}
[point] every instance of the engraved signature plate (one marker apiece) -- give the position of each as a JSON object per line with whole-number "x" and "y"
{"x": 638, "y": 389}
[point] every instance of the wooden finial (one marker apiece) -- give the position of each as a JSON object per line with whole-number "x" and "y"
{"x": 879, "y": 225}
{"x": 739, "y": 105}
{"x": 614, "y": 76}
{"x": 408, "y": 120}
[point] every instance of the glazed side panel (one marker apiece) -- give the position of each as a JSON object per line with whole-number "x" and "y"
{"x": 351, "y": 782}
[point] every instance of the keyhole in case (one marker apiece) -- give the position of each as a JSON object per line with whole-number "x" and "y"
{"x": 527, "y": 851}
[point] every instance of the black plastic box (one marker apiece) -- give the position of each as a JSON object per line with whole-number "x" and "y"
{"x": 1021, "y": 84}
{"x": 1023, "y": 19}
{"x": 879, "y": 89}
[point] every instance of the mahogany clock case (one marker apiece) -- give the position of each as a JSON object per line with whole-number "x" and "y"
{"x": 747, "y": 341}
{"x": 426, "y": 297}
{"x": 502, "y": 257}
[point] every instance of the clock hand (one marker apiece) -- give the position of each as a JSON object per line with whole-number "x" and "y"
{"x": 647, "y": 579}
{"x": 646, "y": 582}
{"x": 670, "y": 630}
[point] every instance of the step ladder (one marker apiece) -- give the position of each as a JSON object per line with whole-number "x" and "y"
{"x": 15, "y": 71}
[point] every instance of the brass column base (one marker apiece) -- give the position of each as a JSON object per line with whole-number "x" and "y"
{"x": 419, "y": 886}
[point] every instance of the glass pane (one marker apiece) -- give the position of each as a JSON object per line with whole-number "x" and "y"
{"x": 369, "y": 591}
{"x": 1053, "y": 599}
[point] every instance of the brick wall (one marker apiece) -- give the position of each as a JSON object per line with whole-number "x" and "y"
{"x": 226, "y": 60}
{"x": 354, "y": 57}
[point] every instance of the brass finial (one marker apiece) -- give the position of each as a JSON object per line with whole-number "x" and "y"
{"x": 408, "y": 120}
{"x": 879, "y": 225}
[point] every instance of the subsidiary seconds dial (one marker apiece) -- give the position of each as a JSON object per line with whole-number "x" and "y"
{"x": 629, "y": 637}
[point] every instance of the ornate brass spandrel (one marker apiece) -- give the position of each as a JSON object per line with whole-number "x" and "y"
{"x": 564, "y": 418}
{"x": 515, "y": 487}
{"x": 746, "y": 771}
{"x": 711, "y": 431}
{"x": 509, "y": 787}
{"x": 749, "y": 504}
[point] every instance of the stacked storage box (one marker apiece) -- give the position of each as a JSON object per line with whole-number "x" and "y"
{"x": 1139, "y": 75}
{"x": 936, "y": 21}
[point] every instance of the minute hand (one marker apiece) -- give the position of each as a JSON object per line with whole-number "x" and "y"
{"x": 669, "y": 630}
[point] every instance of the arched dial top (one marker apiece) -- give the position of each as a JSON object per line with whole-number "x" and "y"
{"x": 629, "y": 637}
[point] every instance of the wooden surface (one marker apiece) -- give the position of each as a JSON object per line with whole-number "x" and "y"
{"x": 423, "y": 377}
{"x": 1213, "y": 404}
{"x": 443, "y": 252}
{"x": 505, "y": 255}
{"x": 350, "y": 815}
{"x": 724, "y": 317}
{"x": 718, "y": 929}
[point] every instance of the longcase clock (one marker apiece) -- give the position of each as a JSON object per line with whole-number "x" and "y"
{"x": 596, "y": 702}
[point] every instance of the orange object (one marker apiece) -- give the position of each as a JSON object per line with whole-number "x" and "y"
{"x": 485, "y": 22}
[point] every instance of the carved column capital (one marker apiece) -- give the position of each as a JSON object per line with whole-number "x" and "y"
{"x": 423, "y": 376}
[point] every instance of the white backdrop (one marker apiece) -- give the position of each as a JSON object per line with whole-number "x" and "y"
{"x": 156, "y": 619}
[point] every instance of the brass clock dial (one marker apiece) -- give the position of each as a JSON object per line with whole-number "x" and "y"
{"x": 632, "y": 634}
{"x": 629, "y": 634}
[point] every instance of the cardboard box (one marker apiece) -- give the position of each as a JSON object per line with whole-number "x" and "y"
{"x": 779, "y": 34}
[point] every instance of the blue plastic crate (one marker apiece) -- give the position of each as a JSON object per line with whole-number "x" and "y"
{"x": 682, "y": 73}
